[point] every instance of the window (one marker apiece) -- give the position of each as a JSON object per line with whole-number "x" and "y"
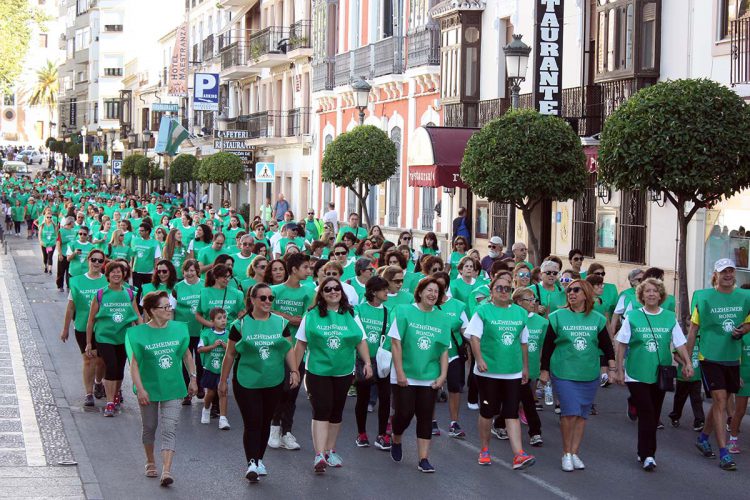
{"x": 428, "y": 208}
{"x": 394, "y": 183}
{"x": 9, "y": 99}
{"x": 96, "y": 112}
{"x": 111, "y": 109}
{"x": 73, "y": 112}
{"x": 156, "y": 120}
{"x": 82, "y": 38}
{"x": 632, "y": 246}
{"x": 627, "y": 37}
{"x": 327, "y": 186}
{"x": 648, "y": 36}
{"x": 731, "y": 10}
{"x": 584, "y": 219}
{"x": 70, "y": 49}
{"x": 481, "y": 220}
{"x": 500, "y": 220}
{"x": 82, "y": 6}
{"x": 43, "y": 40}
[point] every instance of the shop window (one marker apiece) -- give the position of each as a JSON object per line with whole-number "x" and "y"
{"x": 481, "y": 220}
{"x": 584, "y": 219}
{"x": 394, "y": 183}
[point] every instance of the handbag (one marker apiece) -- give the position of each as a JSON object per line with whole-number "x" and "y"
{"x": 383, "y": 357}
{"x": 665, "y": 374}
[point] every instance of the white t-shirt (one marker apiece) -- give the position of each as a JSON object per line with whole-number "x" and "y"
{"x": 623, "y": 337}
{"x": 476, "y": 329}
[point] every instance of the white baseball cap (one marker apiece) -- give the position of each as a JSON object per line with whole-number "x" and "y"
{"x": 722, "y": 264}
{"x": 496, "y": 240}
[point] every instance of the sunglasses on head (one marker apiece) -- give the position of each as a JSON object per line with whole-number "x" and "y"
{"x": 330, "y": 289}
{"x": 573, "y": 289}
{"x": 265, "y": 298}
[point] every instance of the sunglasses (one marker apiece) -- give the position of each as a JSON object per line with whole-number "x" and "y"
{"x": 310, "y": 213}
{"x": 503, "y": 289}
{"x": 265, "y": 298}
{"x": 339, "y": 254}
{"x": 551, "y": 273}
{"x": 331, "y": 275}
{"x": 83, "y": 234}
{"x": 261, "y": 267}
{"x": 524, "y": 275}
{"x": 331, "y": 289}
{"x": 573, "y": 289}
{"x": 491, "y": 246}
{"x": 97, "y": 261}
{"x": 577, "y": 259}
{"x": 533, "y": 300}
{"x": 600, "y": 273}
{"x": 162, "y": 271}
{"x": 247, "y": 244}
{"x": 566, "y": 280}
{"x": 406, "y": 238}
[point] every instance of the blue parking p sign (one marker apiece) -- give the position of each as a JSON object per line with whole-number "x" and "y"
{"x": 206, "y": 92}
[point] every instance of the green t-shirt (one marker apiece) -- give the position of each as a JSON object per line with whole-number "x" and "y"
{"x": 241, "y": 264}
{"x": 82, "y": 291}
{"x": 144, "y": 254}
{"x": 424, "y": 337}
{"x": 208, "y": 255}
{"x": 159, "y": 353}
{"x": 718, "y": 314}
{"x": 262, "y": 347}
{"x": 229, "y": 299}
{"x": 119, "y": 252}
{"x": 551, "y": 300}
{"x": 462, "y": 290}
{"x": 358, "y": 287}
{"x": 188, "y": 296}
{"x": 67, "y": 236}
{"x": 148, "y": 288}
{"x": 576, "y": 354}
{"x": 115, "y": 315}
{"x": 178, "y": 258}
{"x": 359, "y": 232}
{"x": 745, "y": 366}
{"x": 456, "y": 311}
{"x": 212, "y": 359}
{"x": 537, "y": 327}
{"x": 649, "y": 345}
{"x": 198, "y": 246}
{"x": 697, "y": 370}
{"x": 331, "y": 342}
{"x": 398, "y": 299}
{"x": 292, "y": 301}
{"x": 500, "y": 337}
{"x": 453, "y": 259}
{"x": 47, "y": 235}
{"x": 372, "y": 319}
{"x": 79, "y": 265}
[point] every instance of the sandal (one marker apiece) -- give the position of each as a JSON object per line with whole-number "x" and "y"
{"x": 151, "y": 470}
{"x": 166, "y": 478}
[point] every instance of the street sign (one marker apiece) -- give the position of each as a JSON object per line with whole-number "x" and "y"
{"x": 206, "y": 92}
{"x": 83, "y": 157}
{"x": 264, "y": 172}
{"x": 165, "y": 106}
{"x": 98, "y": 160}
{"x": 116, "y": 167}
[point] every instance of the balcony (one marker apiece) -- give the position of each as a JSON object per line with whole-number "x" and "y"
{"x": 492, "y": 108}
{"x": 740, "y": 43}
{"x": 267, "y": 48}
{"x": 300, "y": 40}
{"x": 423, "y": 48}
{"x": 234, "y": 62}
{"x": 371, "y": 61}
{"x": 323, "y": 75}
{"x": 112, "y": 71}
{"x": 207, "y": 48}
{"x": 385, "y": 61}
{"x": 195, "y": 54}
{"x": 282, "y": 127}
{"x": 342, "y": 69}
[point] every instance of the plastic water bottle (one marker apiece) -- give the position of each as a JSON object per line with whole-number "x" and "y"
{"x": 548, "y": 399}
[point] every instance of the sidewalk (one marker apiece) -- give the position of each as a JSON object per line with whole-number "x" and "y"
{"x": 36, "y": 458}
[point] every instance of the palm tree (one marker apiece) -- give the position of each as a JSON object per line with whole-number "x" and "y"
{"x": 46, "y": 88}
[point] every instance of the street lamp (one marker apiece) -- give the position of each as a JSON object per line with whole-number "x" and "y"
{"x": 99, "y": 134}
{"x": 603, "y": 192}
{"x": 147, "y": 139}
{"x": 516, "y": 63}
{"x": 84, "y": 131}
{"x": 657, "y": 197}
{"x": 361, "y": 97}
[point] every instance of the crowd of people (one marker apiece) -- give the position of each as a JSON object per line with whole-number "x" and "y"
{"x": 193, "y": 299}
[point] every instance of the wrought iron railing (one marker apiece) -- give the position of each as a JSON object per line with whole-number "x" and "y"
{"x": 423, "y": 47}
{"x": 361, "y": 65}
{"x": 342, "y": 71}
{"x": 386, "y": 59}
{"x": 300, "y": 35}
{"x": 270, "y": 40}
{"x": 207, "y": 47}
{"x": 740, "y": 44}
{"x": 453, "y": 114}
{"x": 297, "y": 122}
{"x": 291, "y": 123}
{"x": 323, "y": 75}
{"x": 233, "y": 55}
{"x": 631, "y": 246}
{"x": 490, "y": 109}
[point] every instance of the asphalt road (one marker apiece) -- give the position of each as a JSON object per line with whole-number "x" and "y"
{"x": 210, "y": 463}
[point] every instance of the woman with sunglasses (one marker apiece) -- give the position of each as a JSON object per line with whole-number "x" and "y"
{"x": 394, "y": 275}
{"x": 163, "y": 279}
{"x": 112, "y": 311}
{"x": 47, "y": 237}
{"x": 420, "y": 336}
{"x": 83, "y": 289}
{"x": 116, "y": 248}
{"x": 548, "y": 291}
{"x": 570, "y": 358}
{"x": 575, "y": 259}
{"x": 160, "y": 235}
{"x": 499, "y": 340}
{"x": 187, "y": 295}
{"x": 228, "y": 261}
{"x": 610, "y": 293}
{"x": 78, "y": 251}
{"x": 648, "y": 333}
{"x": 157, "y": 350}
{"x": 218, "y": 293}
{"x": 174, "y": 251}
{"x": 262, "y": 341}
{"x": 459, "y": 248}
{"x": 332, "y": 336}
{"x": 255, "y": 272}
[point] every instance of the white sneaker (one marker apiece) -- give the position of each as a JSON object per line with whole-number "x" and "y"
{"x": 577, "y": 462}
{"x": 262, "y": 468}
{"x": 252, "y": 472}
{"x": 473, "y": 406}
{"x": 224, "y": 423}
{"x": 289, "y": 442}
{"x": 567, "y": 462}
{"x": 274, "y": 437}
{"x": 206, "y": 416}
{"x": 649, "y": 464}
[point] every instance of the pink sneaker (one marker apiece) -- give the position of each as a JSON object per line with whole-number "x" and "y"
{"x": 522, "y": 416}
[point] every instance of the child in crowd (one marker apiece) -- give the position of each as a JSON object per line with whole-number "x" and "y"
{"x": 212, "y": 346}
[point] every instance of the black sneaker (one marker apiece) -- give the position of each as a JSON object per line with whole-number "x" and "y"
{"x": 675, "y": 422}
{"x": 99, "y": 390}
{"x": 660, "y": 426}
{"x": 435, "y": 428}
{"x": 89, "y": 400}
{"x": 443, "y": 397}
{"x": 396, "y": 452}
{"x": 425, "y": 466}
{"x": 698, "y": 425}
{"x": 632, "y": 412}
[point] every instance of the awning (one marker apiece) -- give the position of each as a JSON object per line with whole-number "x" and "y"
{"x": 435, "y": 155}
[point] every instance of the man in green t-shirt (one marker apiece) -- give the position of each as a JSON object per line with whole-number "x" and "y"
{"x": 146, "y": 252}
{"x": 353, "y": 228}
{"x": 78, "y": 251}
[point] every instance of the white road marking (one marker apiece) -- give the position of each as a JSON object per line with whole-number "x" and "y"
{"x": 31, "y": 436}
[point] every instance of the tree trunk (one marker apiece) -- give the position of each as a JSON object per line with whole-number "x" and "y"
{"x": 362, "y": 196}
{"x": 533, "y": 239}
{"x": 683, "y": 301}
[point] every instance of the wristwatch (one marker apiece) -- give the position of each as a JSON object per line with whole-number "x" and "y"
{"x": 194, "y": 375}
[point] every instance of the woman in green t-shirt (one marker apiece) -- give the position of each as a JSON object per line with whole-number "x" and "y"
{"x": 218, "y": 293}
{"x": 47, "y": 238}
{"x": 571, "y": 355}
{"x": 333, "y": 336}
{"x": 113, "y": 310}
{"x": 202, "y": 238}
{"x": 174, "y": 251}
{"x": 394, "y": 275}
{"x": 164, "y": 278}
{"x": 467, "y": 281}
{"x": 420, "y": 336}
{"x": 647, "y": 333}
{"x": 17, "y": 214}
{"x": 116, "y": 249}
{"x": 458, "y": 247}
{"x": 157, "y": 351}
{"x": 499, "y": 341}
{"x": 261, "y": 339}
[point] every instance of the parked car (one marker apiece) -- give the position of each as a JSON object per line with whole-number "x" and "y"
{"x": 30, "y": 156}
{"x": 17, "y": 168}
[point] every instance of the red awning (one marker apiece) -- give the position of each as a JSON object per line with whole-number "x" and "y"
{"x": 435, "y": 155}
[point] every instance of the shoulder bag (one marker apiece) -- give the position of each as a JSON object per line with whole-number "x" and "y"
{"x": 665, "y": 374}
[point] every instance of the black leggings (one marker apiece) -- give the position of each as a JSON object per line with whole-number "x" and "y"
{"x": 529, "y": 408}
{"x": 256, "y": 407}
{"x": 114, "y": 357}
{"x": 682, "y": 391}
{"x": 47, "y": 256}
{"x": 17, "y": 226}
{"x": 363, "y": 399}
{"x": 410, "y": 401}
{"x": 193, "y": 348}
{"x": 63, "y": 272}
{"x": 285, "y": 410}
{"x": 328, "y": 396}
{"x": 647, "y": 399}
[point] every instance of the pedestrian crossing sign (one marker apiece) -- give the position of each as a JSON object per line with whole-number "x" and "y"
{"x": 264, "y": 172}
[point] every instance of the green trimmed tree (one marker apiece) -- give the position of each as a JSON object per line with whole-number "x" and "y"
{"x": 73, "y": 151}
{"x": 183, "y": 169}
{"x": 128, "y": 168}
{"x": 359, "y": 159}
{"x": 686, "y": 139}
{"x": 524, "y": 158}
{"x": 223, "y": 169}
{"x": 143, "y": 169}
